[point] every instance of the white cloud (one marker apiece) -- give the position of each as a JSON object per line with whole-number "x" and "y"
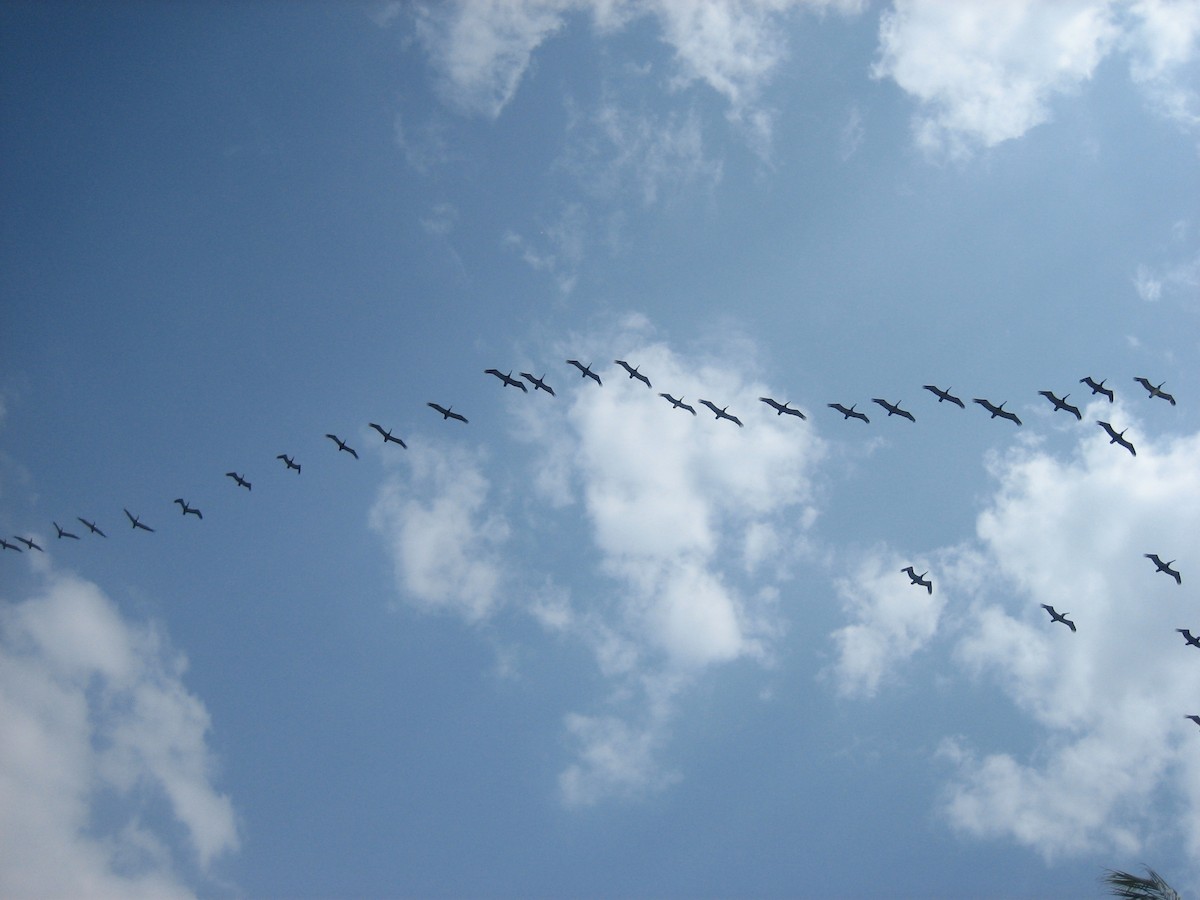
{"x": 1163, "y": 39}
{"x": 93, "y": 707}
{"x": 615, "y": 760}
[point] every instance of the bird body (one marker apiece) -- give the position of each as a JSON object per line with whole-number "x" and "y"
{"x": 1097, "y": 387}
{"x": 1164, "y": 567}
{"x": 848, "y": 413}
{"x": 539, "y": 384}
{"x": 783, "y": 408}
{"x": 136, "y": 522}
{"x": 722, "y": 414}
{"x": 1155, "y": 391}
{"x": 289, "y": 462}
{"x": 64, "y": 534}
{"x": 633, "y": 371}
{"x": 188, "y": 510}
{"x": 585, "y": 371}
{"x": 508, "y": 380}
{"x": 1061, "y": 403}
{"x": 678, "y": 404}
{"x": 387, "y": 436}
{"x": 92, "y": 527}
{"x": 944, "y": 395}
{"x": 447, "y": 412}
{"x": 893, "y": 409}
{"x": 998, "y": 410}
{"x": 240, "y": 479}
{"x": 342, "y": 445}
{"x": 918, "y": 579}
{"x": 1189, "y": 637}
{"x": 1056, "y": 616}
{"x": 29, "y": 544}
{"x": 1117, "y": 438}
{"x": 1195, "y": 719}
{"x": 5, "y": 545}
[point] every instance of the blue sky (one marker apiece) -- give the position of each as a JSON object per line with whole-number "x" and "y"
{"x": 588, "y": 644}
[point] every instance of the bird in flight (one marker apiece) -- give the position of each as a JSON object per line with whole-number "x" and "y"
{"x": 342, "y": 445}
{"x": 447, "y": 412}
{"x": 1097, "y": 387}
{"x": 782, "y": 408}
{"x": 1195, "y": 719}
{"x": 539, "y": 384}
{"x": 894, "y": 409}
{"x": 188, "y": 510}
{"x": 1061, "y": 403}
{"x": 62, "y": 533}
{"x": 678, "y": 404}
{"x": 5, "y": 545}
{"x": 1056, "y": 616}
{"x": 289, "y": 462}
{"x": 944, "y": 395}
{"x": 1164, "y": 567}
{"x": 136, "y": 522}
{"x": 918, "y": 579}
{"x": 92, "y": 527}
{"x": 1189, "y": 637}
{"x": 387, "y": 436}
{"x": 585, "y": 371}
{"x": 1117, "y": 438}
{"x": 998, "y": 410}
{"x": 508, "y": 380}
{"x": 30, "y": 545}
{"x": 633, "y": 371}
{"x": 848, "y": 413}
{"x": 1155, "y": 391}
{"x": 721, "y": 414}
{"x": 240, "y": 479}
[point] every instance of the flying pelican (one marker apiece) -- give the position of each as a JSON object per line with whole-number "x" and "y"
{"x": 1189, "y": 637}
{"x": 5, "y": 545}
{"x": 678, "y": 404}
{"x": 188, "y": 510}
{"x": 1056, "y": 616}
{"x": 1155, "y": 391}
{"x": 64, "y": 534}
{"x": 92, "y": 527}
{"x": 1097, "y": 388}
{"x": 539, "y": 384}
{"x": 1061, "y": 403}
{"x": 848, "y": 413}
{"x": 447, "y": 412}
{"x": 136, "y": 522}
{"x": 387, "y": 436}
{"x": 894, "y": 409}
{"x": 31, "y": 545}
{"x": 633, "y": 371}
{"x": 342, "y": 445}
{"x": 998, "y": 410}
{"x": 781, "y": 408}
{"x": 240, "y": 479}
{"x": 289, "y": 462}
{"x": 508, "y": 380}
{"x": 1164, "y": 567}
{"x": 1195, "y": 719}
{"x": 918, "y": 579}
{"x": 721, "y": 414}
{"x": 944, "y": 395}
{"x": 1117, "y": 438}
{"x": 585, "y": 371}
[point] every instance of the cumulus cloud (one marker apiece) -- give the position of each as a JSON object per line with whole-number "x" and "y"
{"x": 95, "y": 712}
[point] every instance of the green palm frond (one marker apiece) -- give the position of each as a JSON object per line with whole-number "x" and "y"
{"x": 1136, "y": 887}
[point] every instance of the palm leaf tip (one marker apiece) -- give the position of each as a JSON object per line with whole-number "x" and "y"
{"x": 1151, "y": 886}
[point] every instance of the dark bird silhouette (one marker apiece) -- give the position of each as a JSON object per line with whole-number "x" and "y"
{"x": 894, "y": 409}
{"x": 240, "y": 479}
{"x": 1056, "y": 616}
{"x": 1164, "y": 567}
{"x": 678, "y": 404}
{"x": 783, "y": 408}
{"x": 136, "y": 522}
{"x": 188, "y": 510}
{"x": 31, "y": 545}
{"x": 1155, "y": 391}
{"x": 1195, "y": 719}
{"x": 539, "y": 384}
{"x": 585, "y": 371}
{"x": 508, "y": 380}
{"x": 1097, "y": 387}
{"x": 721, "y": 414}
{"x": 1117, "y": 438}
{"x": 633, "y": 371}
{"x": 1189, "y": 637}
{"x": 64, "y": 534}
{"x": 289, "y": 462}
{"x": 1061, "y": 403}
{"x": 918, "y": 579}
{"x": 387, "y": 436}
{"x": 944, "y": 395}
{"x": 342, "y": 445}
{"x": 998, "y": 410}
{"x": 848, "y": 413}
{"x": 5, "y": 545}
{"x": 447, "y": 412}
{"x": 92, "y": 527}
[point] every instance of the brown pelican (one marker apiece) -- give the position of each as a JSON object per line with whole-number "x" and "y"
{"x": 894, "y": 409}
{"x": 1061, "y": 403}
{"x": 64, "y": 534}
{"x": 918, "y": 579}
{"x": 1097, "y": 387}
{"x": 30, "y": 545}
{"x": 387, "y": 436}
{"x": 136, "y": 522}
{"x": 342, "y": 445}
{"x": 188, "y": 510}
{"x": 782, "y": 408}
{"x": 1164, "y": 567}
{"x": 1056, "y": 616}
{"x": 678, "y": 404}
{"x": 1189, "y": 637}
{"x": 1117, "y": 438}
{"x": 508, "y": 380}
{"x": 585, "y": 371}
{"x": 721, "y": 414}
{"x": 944, "y": 395}
{"x": 5, "y": 545}
{"x": 998, "y": 410}
{"x": 447, "y": 412}
{"x": 633, "y": 371}
{"x": 240, "y": 479}
{"x": 92, "y": 527}
{"x": 848, "y": 413}
{"x": 289, "y": 462}
{"x": 539, "y": 384}
{"x": 1155, "y": 391}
